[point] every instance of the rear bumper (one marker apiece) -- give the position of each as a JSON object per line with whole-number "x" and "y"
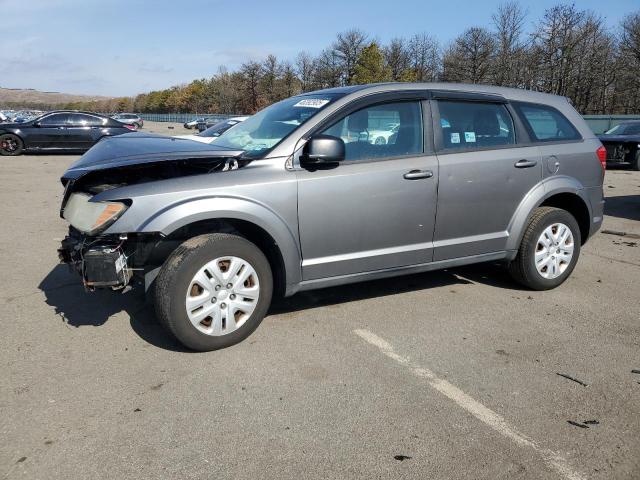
{"x": 595, "y": 196}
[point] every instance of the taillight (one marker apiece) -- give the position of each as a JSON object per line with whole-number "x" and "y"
{"x": 130, "y": 127}
{"x": 602, "y": 156}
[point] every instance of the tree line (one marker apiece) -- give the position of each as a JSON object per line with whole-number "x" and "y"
{"x": 569, "y": 52}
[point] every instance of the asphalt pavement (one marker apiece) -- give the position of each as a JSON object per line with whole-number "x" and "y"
{"x": 458, "y": 374}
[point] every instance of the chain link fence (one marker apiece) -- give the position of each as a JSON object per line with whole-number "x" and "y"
{"x": 183, "y": 117}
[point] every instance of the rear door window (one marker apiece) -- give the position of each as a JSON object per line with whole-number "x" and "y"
{"x": 472, "y": 125}
{"x": 546, "y": 124}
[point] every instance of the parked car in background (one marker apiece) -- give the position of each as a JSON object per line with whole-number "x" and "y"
{"x": 623, "y": 144}
{"x": 297, "y": 198}
{"x": 382, "y": 136}
{"x": 214, "y": 131}
{"x": 58, "y": 131}
{"x": 207, "y": 122}
{"x": 3, "y": 117}
{"x": 193, "y": 123}
{"x": 129, "y": 119}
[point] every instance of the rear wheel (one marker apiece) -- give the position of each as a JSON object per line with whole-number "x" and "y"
{"x": 549, "y": 250}
{"x": 213, "y": 291}
{"x": 10, "y": 144}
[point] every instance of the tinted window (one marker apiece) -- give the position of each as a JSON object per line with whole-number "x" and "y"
{"x": 82, "y": 120}
{"x": 474, "y": 124}
{"x": 546, "y": 124}
{"x": 56, "y": 119}
{"x": 386, "y": 130}
{"x": 632, "y": 129}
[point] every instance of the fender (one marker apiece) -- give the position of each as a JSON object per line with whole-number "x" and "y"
{"x": 535, "y": 197}
{"x": 190, "y": 210}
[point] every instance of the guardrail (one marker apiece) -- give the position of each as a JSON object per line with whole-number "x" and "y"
{"x": 602, "y": 123}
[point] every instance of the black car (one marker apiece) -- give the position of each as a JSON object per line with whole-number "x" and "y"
{"x": 58, "y": 131}
{"x": 623, "y": 144}
{"x": 204, "y": 123}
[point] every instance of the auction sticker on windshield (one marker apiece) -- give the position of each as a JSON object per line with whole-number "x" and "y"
{"x": 312, "y": 103}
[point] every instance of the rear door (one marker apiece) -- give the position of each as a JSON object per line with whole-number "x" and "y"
{"x": 83, "y": 130}
{"x": 376, "y": 209}
{"x": 484, "y": 173}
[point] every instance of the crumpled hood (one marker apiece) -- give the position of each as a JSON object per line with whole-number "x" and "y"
{"x": 138, "y": 148}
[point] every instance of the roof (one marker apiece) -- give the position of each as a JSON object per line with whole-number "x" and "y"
{"x": 518, "y": 94}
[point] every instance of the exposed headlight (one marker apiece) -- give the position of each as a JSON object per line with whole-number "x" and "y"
{"x": 91, "y": 217}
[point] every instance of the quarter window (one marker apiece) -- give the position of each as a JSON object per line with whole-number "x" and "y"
{"x": 546, "y": 124}
{"x": 385, "y": 130}
{"x": 470, "y": 125}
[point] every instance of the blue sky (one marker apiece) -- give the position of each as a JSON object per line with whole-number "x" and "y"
{"x": 125, "y": 47}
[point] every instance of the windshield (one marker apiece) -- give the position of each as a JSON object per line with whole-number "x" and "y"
{"x": 268, "y": 127}
{"x": 218, "y": 129}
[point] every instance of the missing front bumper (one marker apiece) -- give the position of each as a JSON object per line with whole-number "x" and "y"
{"x": 101, "y": 264}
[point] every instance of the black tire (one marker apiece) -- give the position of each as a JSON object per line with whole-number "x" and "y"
{"x": 181, "y": 266}
{"x": 635, "y": 162}
{"x": 523, "y": 268}
{"x": 11, "y": 145}
{"x": 139, "y": 125}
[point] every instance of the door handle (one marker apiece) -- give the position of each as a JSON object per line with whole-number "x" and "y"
{"x": 525, "y": 163}
{"x": 417, "y": 174}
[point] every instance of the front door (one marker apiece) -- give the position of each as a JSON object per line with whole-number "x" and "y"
{"x": 50, "y": 131}
{"x": 484, "y": 175}
{"x": 376, "y": 209}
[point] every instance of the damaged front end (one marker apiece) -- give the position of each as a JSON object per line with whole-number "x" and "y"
{"x": 102, "y": 263}
{"x": 114, "y": 260}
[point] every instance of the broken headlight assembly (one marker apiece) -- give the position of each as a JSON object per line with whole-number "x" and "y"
{"x": 91, "y": 217}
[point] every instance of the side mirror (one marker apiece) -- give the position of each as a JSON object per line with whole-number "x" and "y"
{"x": 322, "y": 149}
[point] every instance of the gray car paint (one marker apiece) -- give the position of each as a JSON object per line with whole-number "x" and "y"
{"x": 363, "y": 220}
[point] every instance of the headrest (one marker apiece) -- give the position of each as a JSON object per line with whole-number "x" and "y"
{"x": 358, "y": 121}
{"x": 486, "y": 123}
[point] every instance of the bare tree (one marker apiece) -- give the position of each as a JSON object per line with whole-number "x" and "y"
{"x": 327, "y": 70}
{"x": 347, "y": 47}
{"x": 470, "y": 57}
{"x": 250, "y": 72}
{"x": 397, "y": 59}
{"x": 510, "y": 56}
{"x": 424, "y": 58}
{"x": 305, "y": 67}
{"x": 628, "y": 64}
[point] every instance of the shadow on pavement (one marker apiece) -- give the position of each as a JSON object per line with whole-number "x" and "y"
{"x": 624, "y": 206}
{"x": 488, "y": 274}
{"x": 79, "y": 308}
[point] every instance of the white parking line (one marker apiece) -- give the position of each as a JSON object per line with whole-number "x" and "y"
{"x": 553, "y": 460}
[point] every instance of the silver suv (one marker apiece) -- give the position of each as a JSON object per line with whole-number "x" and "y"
{"x": 299, "y": 197}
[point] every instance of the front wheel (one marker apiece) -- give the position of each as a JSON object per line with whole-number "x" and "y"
{"x": 549, "y": 249}
{"x": 213, "y": 291}
{"x": 10, "y": 144}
